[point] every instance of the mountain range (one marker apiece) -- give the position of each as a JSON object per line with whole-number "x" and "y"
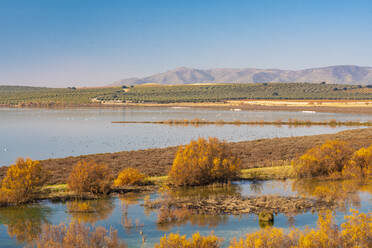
{"x": 341, "y": 74}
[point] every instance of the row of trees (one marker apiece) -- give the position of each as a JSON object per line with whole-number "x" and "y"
{"x": 24, "y": 180}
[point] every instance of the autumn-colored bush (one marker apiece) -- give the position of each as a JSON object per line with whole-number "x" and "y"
{"x": 196, "y": 241}
{"x": 360, "y": 164}
{"x": 324, "y": 160}
{"x": 204, "y": 161}
{"x": 267, "y": 237}
{"x": 355, "y": 232}
{"x": 77, "y": 235}
{"x": 129, "y": 176}
{"x": 88, "y": 176}
{"x": 22, "y": 182}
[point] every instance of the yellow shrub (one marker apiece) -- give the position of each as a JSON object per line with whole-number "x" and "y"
{"x": 355, "y": 232}
{"x": 196, "y": 241}
{"x": 324, "y": 160}
{"x": 90, "y": 177}
{"x": 129, "y": 176}
{"x": 327, "y": 234}
{"x": 267, "y": 237}
{"x": 22, "y": 182}
{"x": 204, "y": 161}
{"x": 360, "y": 165}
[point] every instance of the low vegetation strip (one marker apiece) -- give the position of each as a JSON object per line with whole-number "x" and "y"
{"x": 197, "y": 122}
{"x": 23, "y": 96}
{"x": 253, "y": 154}
{"x": 224, "y": 92}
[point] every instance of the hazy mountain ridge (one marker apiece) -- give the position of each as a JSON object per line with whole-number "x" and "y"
{"x": 342, "y": 74}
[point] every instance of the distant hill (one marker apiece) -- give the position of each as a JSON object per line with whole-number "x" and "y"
{"x": 342, "y": 74}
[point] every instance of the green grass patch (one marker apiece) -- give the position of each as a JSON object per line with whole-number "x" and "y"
{"x": 56, "y": 188}
{"x": 158, "y": 179}
{"x": 267, "y": 173}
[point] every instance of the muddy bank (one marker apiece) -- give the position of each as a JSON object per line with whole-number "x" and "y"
{"x": 156, "y": 162}
{"x": 245, "y": 205}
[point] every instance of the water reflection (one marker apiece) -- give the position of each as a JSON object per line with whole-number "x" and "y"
{"x": 24, "y": 223}
{"x": 181, "y": 217}
{"x": 203, "y": 192}
{"x": 344, "y": 192}
{"x": 256, "y": 186}
{"x": 137, "y": 223}
{"x": 172, "y": 207}
{"x": 90, "y": 211}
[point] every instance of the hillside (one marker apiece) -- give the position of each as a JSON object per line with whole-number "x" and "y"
{"x": 345, "y": 74}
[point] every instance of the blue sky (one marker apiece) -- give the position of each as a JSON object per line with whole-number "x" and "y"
{"x": 95, "y": 42}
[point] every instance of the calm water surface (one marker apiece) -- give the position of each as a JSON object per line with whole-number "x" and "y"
{"x": 52, "y": 133}
{"x": 20, "y": 225}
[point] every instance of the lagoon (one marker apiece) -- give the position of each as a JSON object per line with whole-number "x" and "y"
{"x": 54, "y": 133}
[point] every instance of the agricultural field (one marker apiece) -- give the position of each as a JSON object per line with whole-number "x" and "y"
{"x": 22, "y": 95}
{"x": 19, "y": 95}
{"x": 223, "y": 92}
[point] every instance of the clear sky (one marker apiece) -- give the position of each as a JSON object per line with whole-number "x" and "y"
{"x": 96, "y": 42}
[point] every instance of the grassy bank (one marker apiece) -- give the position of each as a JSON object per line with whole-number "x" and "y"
{"x": 267, "y": 173}
{"x": 254, "y": 154}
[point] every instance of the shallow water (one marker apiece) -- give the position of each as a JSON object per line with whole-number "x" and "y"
{"x": 21, "y": 224}
{"x": 52, "y": 133}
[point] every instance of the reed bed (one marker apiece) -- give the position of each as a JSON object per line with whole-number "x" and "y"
{"x": 290, "y": 122}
